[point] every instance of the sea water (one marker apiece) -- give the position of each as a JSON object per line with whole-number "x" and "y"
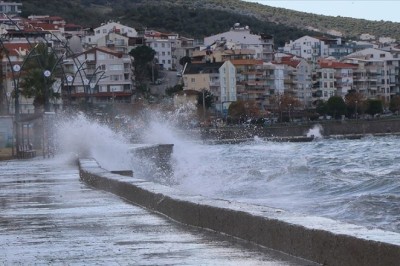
{"x": 356, "y": 181}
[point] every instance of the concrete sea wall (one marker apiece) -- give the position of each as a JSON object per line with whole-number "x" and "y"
{"x": 317, "y": 239}
{"x": 329, "y": 129}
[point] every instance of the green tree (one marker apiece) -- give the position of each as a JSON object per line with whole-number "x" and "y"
{"x": 143, "y": 57}
{"x": 38, "y": 77}
{"x": 321, "y": 107}
{"x": 395, "y": 104}
{"x": 172, "y": 90}
{"x": 207, "y": 97}
{"x": 184, "y": 60}
{"x": 374, "y": 106}
{"x": 336, "y": 106}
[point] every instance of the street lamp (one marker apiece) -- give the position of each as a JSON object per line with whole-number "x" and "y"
{"x": 356, "y": 111}
{"x": 290, "y": 107}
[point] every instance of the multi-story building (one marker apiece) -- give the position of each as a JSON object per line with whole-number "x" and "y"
{"x": 10, "y": 7}
{"x": 218, "y": 78}
{"x": 297, "y": 77}
{"x": 163, "y": 44}
{"x": 307, "y": 47}
{"x": 334, "y": 78}
{"x": 243, "y": 39}
{"x": 377, "y": 75}
{"x": 98, "y": 75}
{"x": 183, "y": 47}
{"x": 92, "y": 37}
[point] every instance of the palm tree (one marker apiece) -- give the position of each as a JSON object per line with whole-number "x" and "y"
{"x": 38, "y": 77}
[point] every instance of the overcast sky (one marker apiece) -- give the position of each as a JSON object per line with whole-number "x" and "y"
{"x": 388, "y": 10}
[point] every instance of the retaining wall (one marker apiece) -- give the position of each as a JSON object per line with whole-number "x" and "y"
{"x": 317, "y": 239}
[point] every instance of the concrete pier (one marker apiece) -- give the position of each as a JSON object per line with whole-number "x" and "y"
{"x": 316, "y": 239}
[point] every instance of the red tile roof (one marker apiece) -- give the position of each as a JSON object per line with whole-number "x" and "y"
{"x": 334, "y": 64}
{"x": 246, "y": 62}
{"x": 15, "y": 49}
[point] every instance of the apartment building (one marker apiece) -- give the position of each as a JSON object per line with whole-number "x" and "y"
{"x": 244, "y": 39}
{"x": 307, "y": 47}
{"x": 297, "y": 77}
{"x": 218, "y": 78}
{"x": 98, "y": 75}
{"x": 377, "y": 75}
{"x": 92, "y": 37}
{"x": 163, "y": 44}
{"x": 11, "y": 71}
{"x": 333, "y": 78}
{"x": 10, "y": 7}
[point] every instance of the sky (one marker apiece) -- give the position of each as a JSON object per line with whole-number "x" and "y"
{"x": 387, "y": 10}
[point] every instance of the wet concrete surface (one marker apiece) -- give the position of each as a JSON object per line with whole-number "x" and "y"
{"x": 48, "y": 216}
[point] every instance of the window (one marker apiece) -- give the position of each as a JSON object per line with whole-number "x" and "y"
{"x": 104, "y": 30}
{"x": 155, "y": 44}
{"x": 114, "y": 77}
{"x": 163, "y": 45}
{"x": 163, "y": 53}
{"x": 193, "y": 80}
{"x": 116, "y": 67}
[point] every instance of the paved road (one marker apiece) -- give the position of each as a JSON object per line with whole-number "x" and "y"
{"x": 49, "y": 217}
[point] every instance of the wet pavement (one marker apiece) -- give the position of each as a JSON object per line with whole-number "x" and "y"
{"x": 48, "y": 216}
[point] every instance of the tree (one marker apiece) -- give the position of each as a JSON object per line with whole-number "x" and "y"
{"x": 374, "y": 106}
{"x": 143, "y": 59}
{"x": 38, "y": 78}
{"x": 336, "y": 106}
{"x": 208, "y": 98}
{"x": 395, "y": 104}
{"x": 184, "y": 60}
{"x": 354, "y": 102}
{"x": 237, "y": 110}
{"x": 172, "y": 90}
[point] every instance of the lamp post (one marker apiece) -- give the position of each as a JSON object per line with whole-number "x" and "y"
{"x": 290, "y": 107}
{"x": 356, "y": 111}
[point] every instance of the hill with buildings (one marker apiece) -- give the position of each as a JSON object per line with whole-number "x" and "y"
{"x": 206, "y": 17}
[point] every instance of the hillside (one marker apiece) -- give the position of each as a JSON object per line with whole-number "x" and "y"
{"x": 199, "y": 18}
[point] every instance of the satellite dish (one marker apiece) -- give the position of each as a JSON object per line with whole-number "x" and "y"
{"x": 92, "y": 85}
{"x": 86, "y": 81}
{"x": 70, "y": 78}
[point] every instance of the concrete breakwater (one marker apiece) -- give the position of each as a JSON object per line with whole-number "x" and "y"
{"x": 289, "y": 131}
{"x": 317, "y": 239}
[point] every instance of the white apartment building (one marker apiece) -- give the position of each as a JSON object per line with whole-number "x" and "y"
{"x": 307, "y": 47}
{"x": 297, "y": 77}
{"x": 10, "y": 7}
{"x": 243, "y": 39}
{"x": 377, "y": 73}
{"x": 164, "y": 45}
{"x": 106, "y": 28}
{"x": 98, "y": 75}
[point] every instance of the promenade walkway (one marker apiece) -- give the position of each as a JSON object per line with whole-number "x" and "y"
{"x": 49, "y": 217}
